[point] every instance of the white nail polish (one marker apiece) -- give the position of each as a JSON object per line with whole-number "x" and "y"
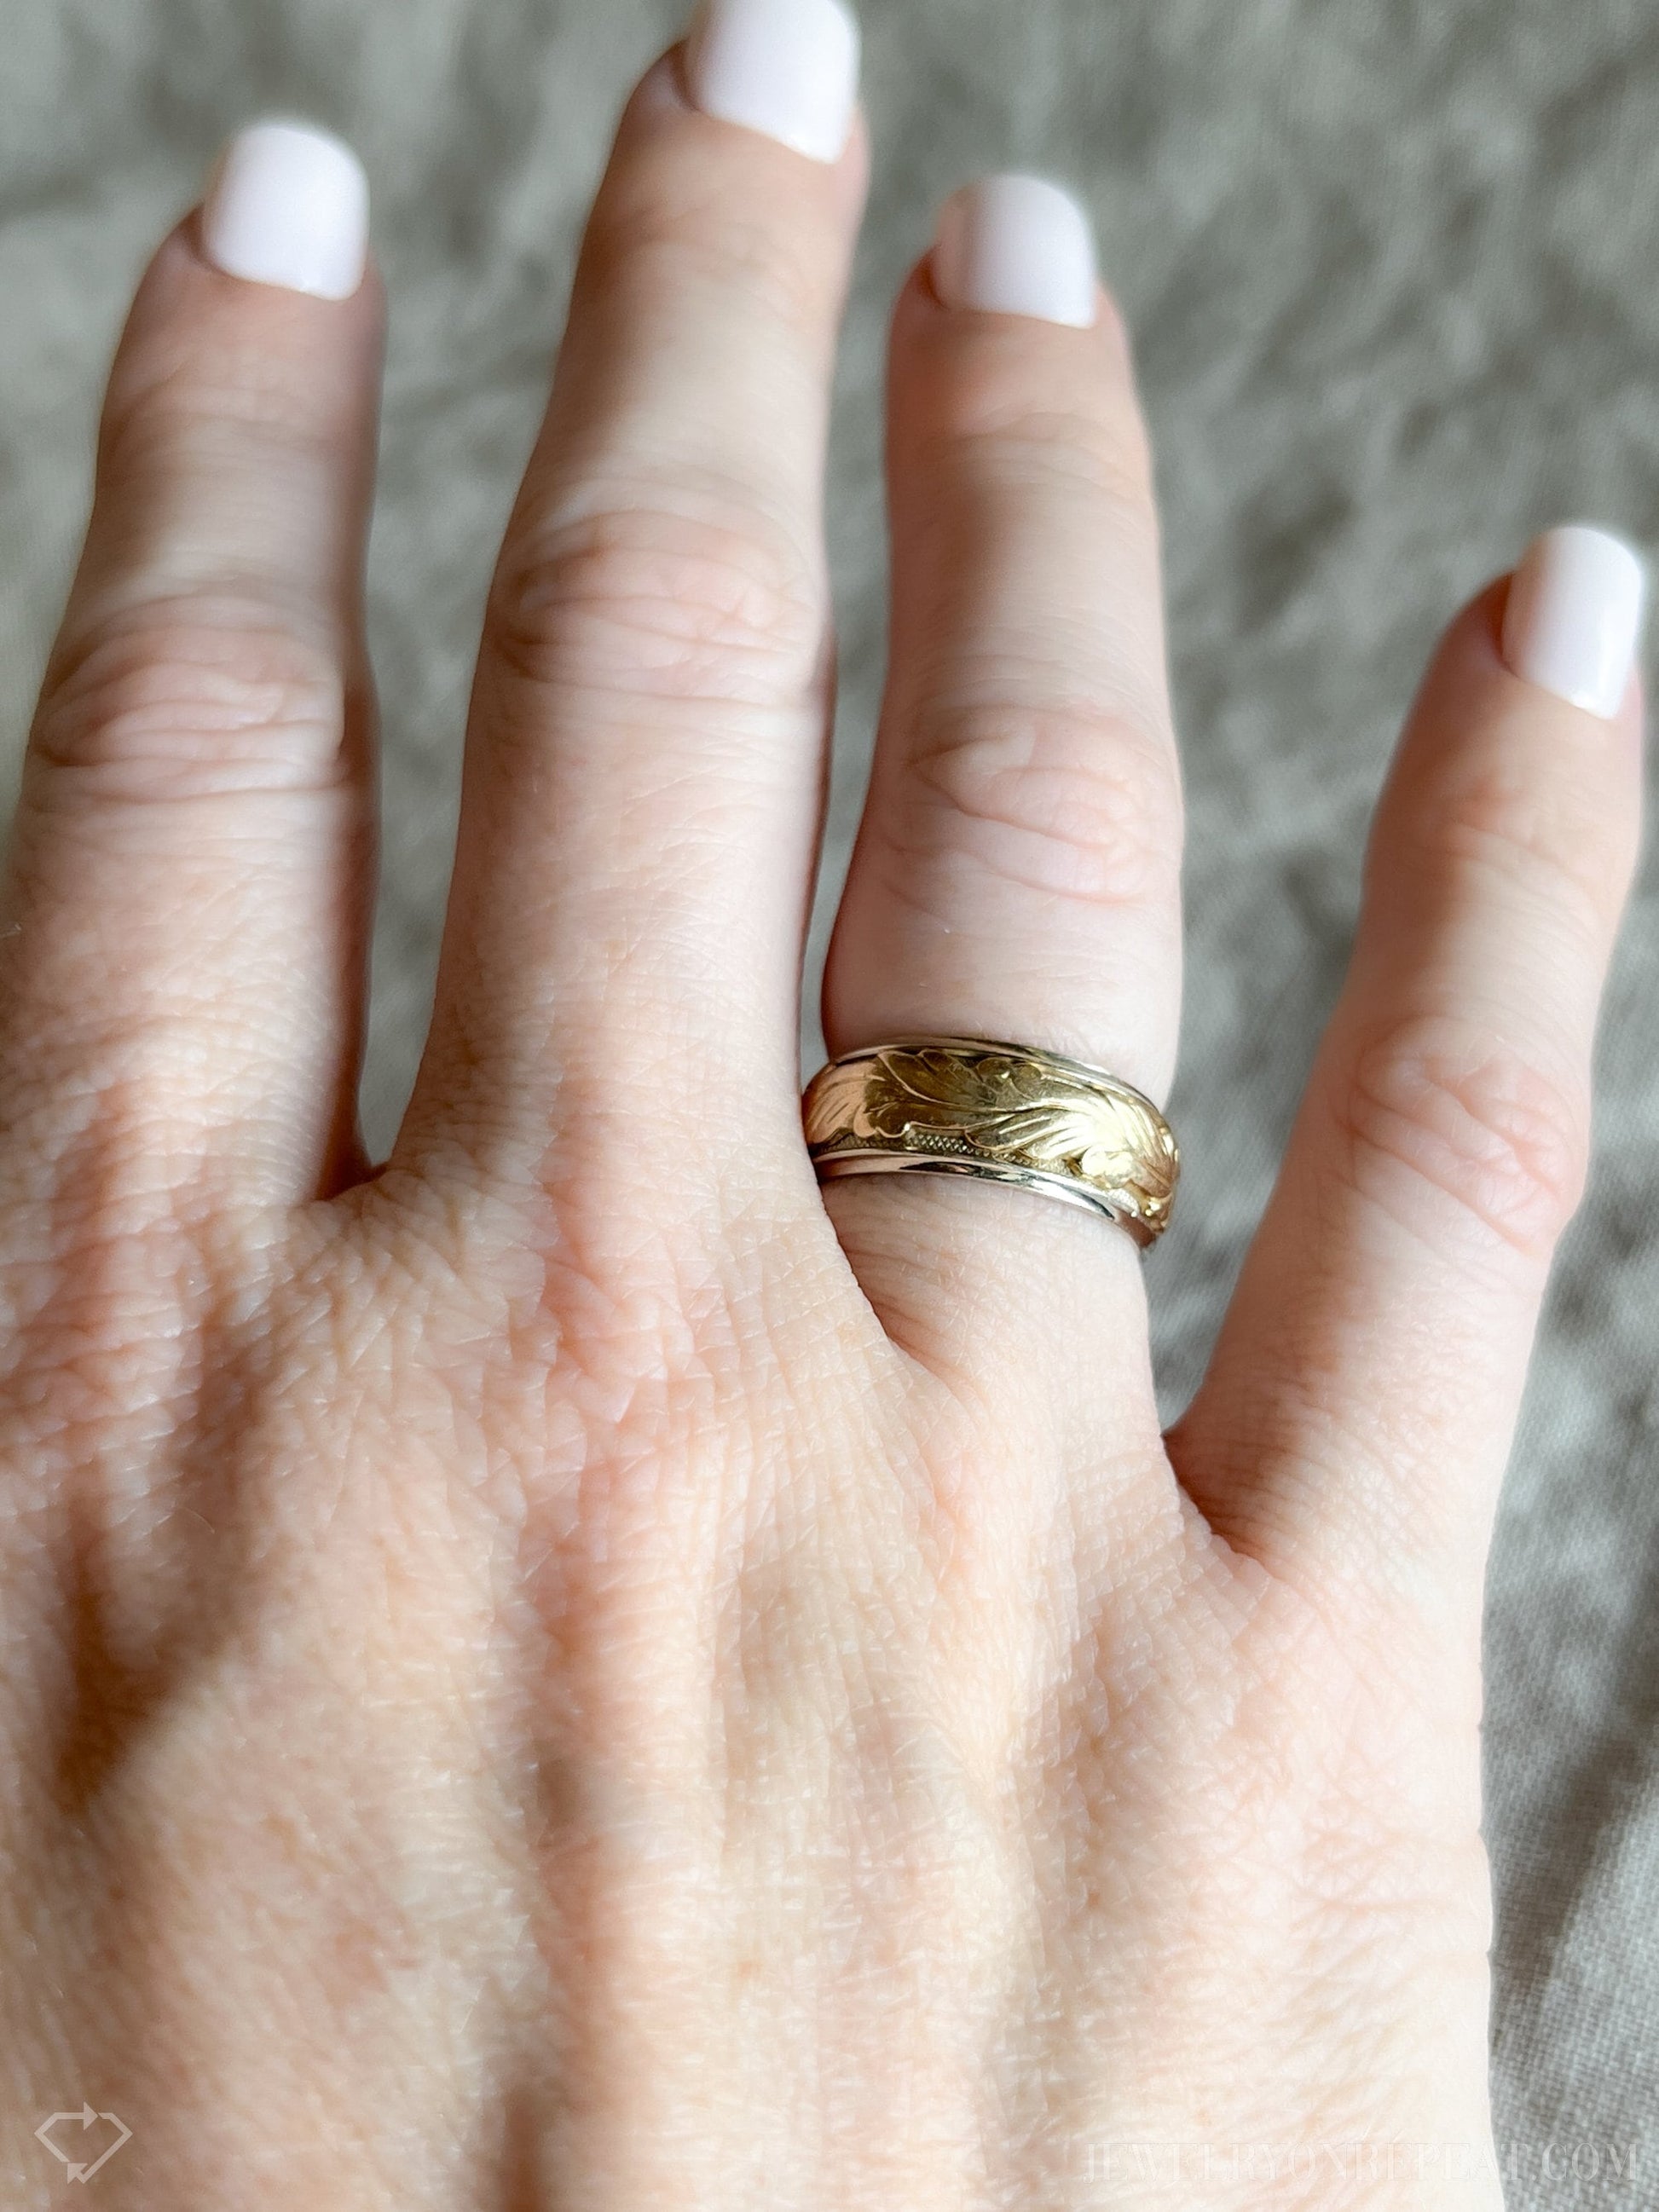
{"x": 289, "y": 206}
{"x": 1574, "y": 616}
{"x": 788, "y": 69}
{"x": 1017, "y": 245}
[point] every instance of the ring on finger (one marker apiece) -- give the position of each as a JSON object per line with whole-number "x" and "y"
{"x": 1002, "y": 1113}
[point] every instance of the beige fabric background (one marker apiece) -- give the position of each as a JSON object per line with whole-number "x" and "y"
{"x": 1393, "y": 268}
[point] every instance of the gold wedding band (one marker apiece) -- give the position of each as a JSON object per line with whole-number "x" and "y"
{"x": 1007, "y": 1113}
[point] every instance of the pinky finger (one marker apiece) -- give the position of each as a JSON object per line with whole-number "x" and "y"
{"x": 1361, "y": 1396}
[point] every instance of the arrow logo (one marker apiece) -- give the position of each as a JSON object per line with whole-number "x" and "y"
{"x": 77, "y": 2169}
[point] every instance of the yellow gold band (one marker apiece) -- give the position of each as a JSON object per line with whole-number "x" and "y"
{"x": 1006, "y": 1113}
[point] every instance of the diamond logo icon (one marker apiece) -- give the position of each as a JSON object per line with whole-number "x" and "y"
{"x": 57, "y": 2132}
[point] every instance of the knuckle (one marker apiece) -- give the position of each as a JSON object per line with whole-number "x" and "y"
{"x": 1547, "y": 838}
{"x": 1106, "y": 457}
{"x": 1080, "y": 802}
{"x": 225, "y": 406}
{"x": 649, "y": 245}
{"x": 1436, "y": 1105}
{"x": 194, "y": 697}
{"x": 987, "y": 430}
{"x": 638, "y": 599}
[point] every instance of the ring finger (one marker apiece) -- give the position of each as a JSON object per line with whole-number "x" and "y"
{"x": 1017, "y": 874}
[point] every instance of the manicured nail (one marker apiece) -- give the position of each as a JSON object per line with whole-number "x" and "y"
{"x": 289, "y": 206}
{"x": 1017, "y": 245}
{"x": 1574, "y": 616}
{"x": 788, "y": 69}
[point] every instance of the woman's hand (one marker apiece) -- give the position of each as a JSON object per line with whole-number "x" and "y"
{"x": 580, "y": 1671}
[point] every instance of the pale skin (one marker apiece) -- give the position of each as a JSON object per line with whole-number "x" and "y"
{"x": 578, "y": 1669}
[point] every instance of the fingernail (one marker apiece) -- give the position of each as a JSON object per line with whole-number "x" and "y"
{"x": 788, "y": 69}
{"x": 1574, "y": 616}
{"x": 1017, "y": 245}
{"x": 289, "y": 206}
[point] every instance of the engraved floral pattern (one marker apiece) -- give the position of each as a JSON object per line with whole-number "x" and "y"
{"x": 1000, "y": 1104}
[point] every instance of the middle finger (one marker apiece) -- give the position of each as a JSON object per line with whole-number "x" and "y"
{"x": 644, "y": 766}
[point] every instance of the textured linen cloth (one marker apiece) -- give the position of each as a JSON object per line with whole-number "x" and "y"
{"x": 1392, "y": 268}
